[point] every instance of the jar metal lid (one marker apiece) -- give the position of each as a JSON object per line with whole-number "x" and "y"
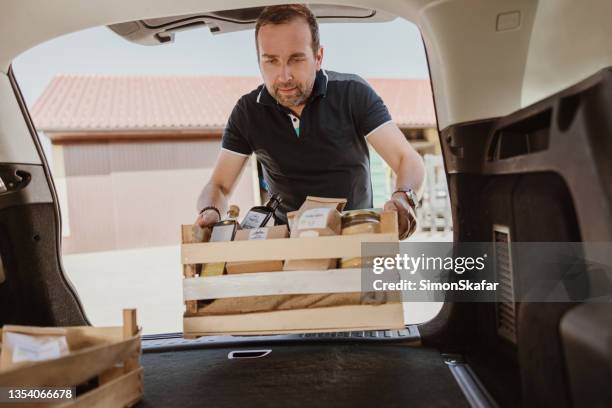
{"x": 355, "y": 217}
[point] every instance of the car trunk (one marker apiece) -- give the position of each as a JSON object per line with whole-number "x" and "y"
{"x": 524, "y": 172}
{"x": 542, "y": 173}
{"x": 355, "y": 374}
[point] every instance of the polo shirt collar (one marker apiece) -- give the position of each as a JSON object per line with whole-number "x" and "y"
{"x": 320, "y": 85}
{"x": 319, "y": 89}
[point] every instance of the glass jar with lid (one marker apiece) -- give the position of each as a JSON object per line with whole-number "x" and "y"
{"x": 358, "y": 222}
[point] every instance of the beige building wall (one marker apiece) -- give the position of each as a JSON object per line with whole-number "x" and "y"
{"x": 431, "y": 135}
{"x": 137, "y": 194}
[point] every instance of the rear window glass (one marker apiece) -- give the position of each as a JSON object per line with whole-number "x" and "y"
{"x": 117, "y": 123}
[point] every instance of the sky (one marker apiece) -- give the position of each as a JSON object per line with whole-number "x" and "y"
{"x": 376, "y": 50}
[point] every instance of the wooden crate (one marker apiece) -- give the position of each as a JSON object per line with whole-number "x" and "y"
{"x": 324, "y": 319}
{"x": 110, "y": 354}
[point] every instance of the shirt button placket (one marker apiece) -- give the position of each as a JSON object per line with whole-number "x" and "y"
{"x": 295, "y": 121}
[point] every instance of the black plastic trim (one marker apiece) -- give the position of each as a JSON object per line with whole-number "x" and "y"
{"x": 50, "y": 185}
{"x": 229, "y": 20}
{"x": 175, "y": 341}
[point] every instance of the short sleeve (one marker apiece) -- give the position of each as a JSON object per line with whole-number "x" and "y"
{"x": 369, "y": 110}
{"x": 234, "y": 138}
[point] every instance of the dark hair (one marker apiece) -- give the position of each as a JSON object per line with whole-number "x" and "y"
{"x": 286, "y": 13}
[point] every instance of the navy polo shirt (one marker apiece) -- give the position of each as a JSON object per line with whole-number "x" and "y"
{"x": 323, "y": 153}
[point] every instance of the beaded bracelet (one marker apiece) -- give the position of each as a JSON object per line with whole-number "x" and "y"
{"x": 210, "y": 207}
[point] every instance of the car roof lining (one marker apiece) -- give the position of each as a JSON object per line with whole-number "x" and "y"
{"x": 158, "y": 31}
{"x": 477, "y": 71}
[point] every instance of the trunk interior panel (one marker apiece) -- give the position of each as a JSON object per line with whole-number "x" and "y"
{"x": 542, "y": 174}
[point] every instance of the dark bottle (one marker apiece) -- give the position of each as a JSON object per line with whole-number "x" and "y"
{"x": 259, "y": 216}
{"x": 225, "y": 229}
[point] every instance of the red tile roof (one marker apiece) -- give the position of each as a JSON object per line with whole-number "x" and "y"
{"x": 89, "y": 103}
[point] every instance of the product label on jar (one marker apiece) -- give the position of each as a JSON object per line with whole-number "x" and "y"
{"x": 258, "y": 233}
{"x": 313, "y": 218}
{"x": 253, "y": 219}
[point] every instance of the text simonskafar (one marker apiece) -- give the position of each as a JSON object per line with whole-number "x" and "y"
{"x": 425, "y": 264}
{"x": 428, "y": 285}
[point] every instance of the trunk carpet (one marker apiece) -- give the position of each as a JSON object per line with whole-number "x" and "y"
{"x": 305, "y": 375}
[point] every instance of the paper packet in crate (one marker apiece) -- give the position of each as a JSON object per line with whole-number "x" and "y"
{"x": 318, "y": 216}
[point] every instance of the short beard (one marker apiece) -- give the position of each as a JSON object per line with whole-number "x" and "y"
{"x": 299, "y": 98}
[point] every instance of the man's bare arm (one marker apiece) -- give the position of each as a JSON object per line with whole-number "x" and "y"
{"x": 215, "y": 193}
{"x": 406, "y": 163}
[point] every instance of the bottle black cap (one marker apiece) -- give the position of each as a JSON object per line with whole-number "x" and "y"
{"x": 274, "y": 201}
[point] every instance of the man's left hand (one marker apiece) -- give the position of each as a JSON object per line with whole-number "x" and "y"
{"x": 406, "y": 215}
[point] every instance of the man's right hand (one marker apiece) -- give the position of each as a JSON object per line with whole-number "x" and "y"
{"x": 203, "y": 225}
{"x": 207, "y": 218}
{"x": 226, "y": 172}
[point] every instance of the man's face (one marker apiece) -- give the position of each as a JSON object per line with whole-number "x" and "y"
{"x": 287, "y": 62}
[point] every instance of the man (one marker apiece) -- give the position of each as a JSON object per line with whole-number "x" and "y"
{"x": 310, "y": 128}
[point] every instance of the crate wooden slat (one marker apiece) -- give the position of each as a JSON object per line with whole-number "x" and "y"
{"x": 189, "y": 270}
{"x": 338, "y": 246}
{"x": 75, "y": 368}
{"x": 323, "y": 319}
{"x": 273, "y": 283}
{"x": 328, "y": 319}
{"x": 110, "y": 353}
{"x": 123, "y": 391}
